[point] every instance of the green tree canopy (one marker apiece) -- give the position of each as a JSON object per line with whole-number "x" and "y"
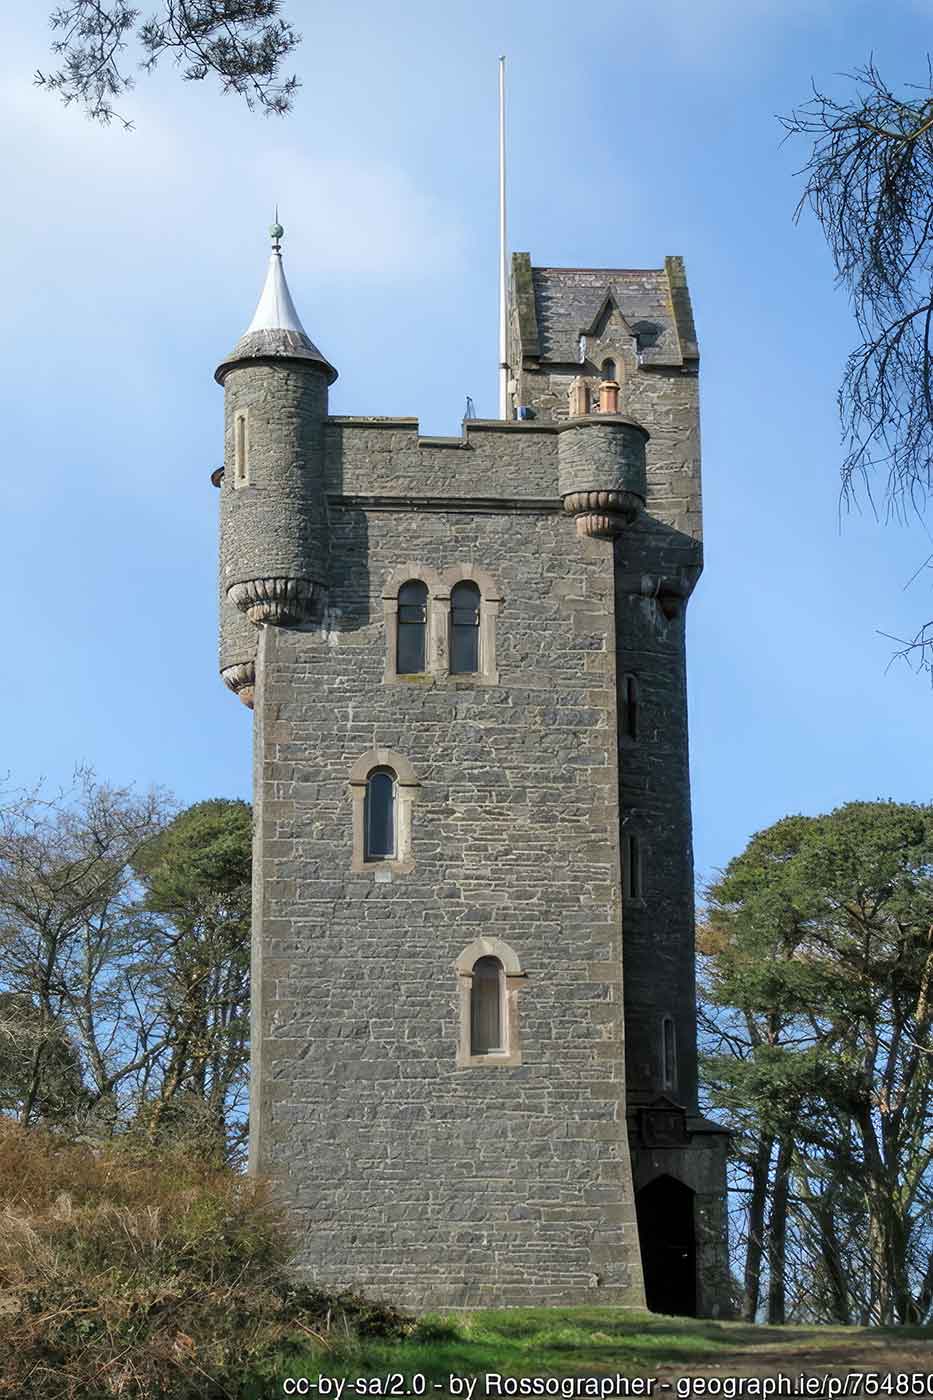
{"x": 818, "y": 955}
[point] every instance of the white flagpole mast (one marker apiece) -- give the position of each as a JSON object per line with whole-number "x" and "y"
{"x": 503, "y": 255}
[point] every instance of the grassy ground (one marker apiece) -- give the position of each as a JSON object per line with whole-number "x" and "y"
{"x": 596, "y": 1342}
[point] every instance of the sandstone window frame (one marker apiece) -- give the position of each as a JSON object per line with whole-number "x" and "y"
{"x": 511, "y": 979}
{"x": 437, "y": 635}
{"x": 490, "y": 600}
{"x": 407, "y": 789}
{"x": 241, "y": 448}
{"x": 435, "y": 642}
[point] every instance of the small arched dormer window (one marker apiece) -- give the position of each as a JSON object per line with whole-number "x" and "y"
{"x": 411, "y": 653}
{"x": 608, "y": 369}
{"x": 465, "y": 603}
{"x": 379, "y": 815}
{"x": 486, "y": 998}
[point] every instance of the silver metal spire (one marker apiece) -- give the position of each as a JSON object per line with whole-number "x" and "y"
{"x": 275, "y": 332}
{"x": 276, "y": 310}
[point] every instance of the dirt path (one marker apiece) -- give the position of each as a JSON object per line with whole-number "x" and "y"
{"x": 870, "y": 1355}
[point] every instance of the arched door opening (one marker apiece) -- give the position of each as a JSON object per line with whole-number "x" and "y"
{"x": 667, "y": 1234}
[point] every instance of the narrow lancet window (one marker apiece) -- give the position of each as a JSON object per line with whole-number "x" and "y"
{"x": 379, "y": 815}
{"x": 632, "y": 869}
{"x": 464, "y": 629}
{"x": 412, "y": 627}
{"x": 486, "y": 1007}
{"x": 668, "y": 1053}
{"x": 630, "y": 707}
{"x": 608, "y": 370}
{"x": 239, "y": 449}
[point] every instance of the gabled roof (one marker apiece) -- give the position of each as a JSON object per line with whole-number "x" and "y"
{"x": 556, "y": 305}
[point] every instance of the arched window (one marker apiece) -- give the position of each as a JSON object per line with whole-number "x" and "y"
{"x": 412, "y": 628}
{"x": 486, "y": 1007}
{"x": 489, "y": 974}
{"x": 464, "y": 628}
{"x": 379, "y": 815}
{"x": 668, "y": 1053}
{"x": 608, "y": 370}
{"x": 629, "y": 707}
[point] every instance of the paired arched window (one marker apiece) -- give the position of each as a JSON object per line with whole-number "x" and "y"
{"x": 441, "y": 626}
{"x": 486, "y": 997}
{"x": 465, "y": 602}
{"x": 379, "y": 815}
{"x": 411, "y": 644}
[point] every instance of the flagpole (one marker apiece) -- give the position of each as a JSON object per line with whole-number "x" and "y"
{"x": 503, "y": 256}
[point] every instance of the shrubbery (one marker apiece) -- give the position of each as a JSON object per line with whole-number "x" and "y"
{"x": 131, "y": 1272}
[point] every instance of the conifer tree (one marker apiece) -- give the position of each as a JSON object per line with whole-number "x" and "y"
{"x": 818, "y": 964}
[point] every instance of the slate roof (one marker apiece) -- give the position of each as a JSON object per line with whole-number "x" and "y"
{"x": 556, "y": 305}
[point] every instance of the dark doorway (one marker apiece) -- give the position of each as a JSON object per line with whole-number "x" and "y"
{"x": 667, "y": 1235}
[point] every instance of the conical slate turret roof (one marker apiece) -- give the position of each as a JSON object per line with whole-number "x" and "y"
{"x": 275, "y": 332}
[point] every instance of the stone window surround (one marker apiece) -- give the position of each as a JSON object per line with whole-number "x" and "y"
{"x": 407, "y": 788}
{"x": 513, "y": 977}
{"x": 437, "y": 641}
{"x": 240, "y": 459}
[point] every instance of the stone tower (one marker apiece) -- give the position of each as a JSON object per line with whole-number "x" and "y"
{"x": 473, "y": 1014}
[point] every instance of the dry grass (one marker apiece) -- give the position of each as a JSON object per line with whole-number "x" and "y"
{"x": 131, "y": 1272}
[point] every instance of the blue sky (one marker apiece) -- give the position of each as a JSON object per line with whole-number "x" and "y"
{"x": 134, "y": 260}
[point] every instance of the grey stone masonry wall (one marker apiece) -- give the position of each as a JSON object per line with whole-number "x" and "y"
{"x": 373, "y": 456}
{"x": 410, "y": 1176}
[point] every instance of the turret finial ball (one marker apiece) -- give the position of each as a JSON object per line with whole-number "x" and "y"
{"x": 276, "y": 232}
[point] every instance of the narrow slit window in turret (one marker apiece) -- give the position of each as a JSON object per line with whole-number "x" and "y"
{"x": 464, "y": 629}
{"x": 379, "y": 815}
{"x": 412, "y": 626}
{"x": 239, "y": 449}
{"x": 486, "y": 1007}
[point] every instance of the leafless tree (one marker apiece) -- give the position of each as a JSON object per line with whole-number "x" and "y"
{"x": 75, "y": 959}
{"x": 242, "y": 42}
{"x": 869, "y": 181}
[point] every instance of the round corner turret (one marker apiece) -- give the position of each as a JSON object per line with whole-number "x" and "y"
{"x": 602, "y": 472}
{"x": 274, "y": 537}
